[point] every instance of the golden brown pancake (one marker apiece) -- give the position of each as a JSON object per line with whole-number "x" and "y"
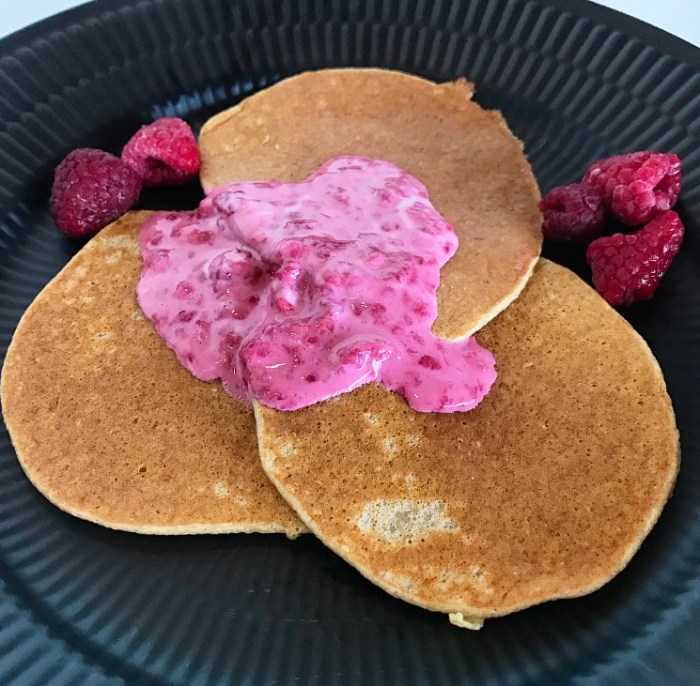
{"x": 544, "y": 491}
{"x": 472, "y": 165}
{"x": 111, "y": 428}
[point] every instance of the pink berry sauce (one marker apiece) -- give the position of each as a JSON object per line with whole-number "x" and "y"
{"x": 292, "y": 293}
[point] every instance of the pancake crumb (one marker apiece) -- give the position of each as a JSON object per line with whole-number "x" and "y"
{"x": 465, "y": 621}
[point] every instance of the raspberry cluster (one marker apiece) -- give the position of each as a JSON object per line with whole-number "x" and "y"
{"x": 92, "y": 188}
{"x": 639, "y": 189}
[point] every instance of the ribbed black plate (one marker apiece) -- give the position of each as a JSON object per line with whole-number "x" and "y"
{"x": 83, "y": 605}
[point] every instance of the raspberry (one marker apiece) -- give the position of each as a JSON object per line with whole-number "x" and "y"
{"x": 629, "y": 267}
{"x": 573, "y": 212}
{"x": 91, "y": 188}
{"x": 163, "y": 153}
{"x": 637, "y": 185}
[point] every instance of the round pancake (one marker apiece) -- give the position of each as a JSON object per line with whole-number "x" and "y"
{"x": 544, "y": 491}
{"x": 473, "y": 166}
{"x": 111, "y": 428}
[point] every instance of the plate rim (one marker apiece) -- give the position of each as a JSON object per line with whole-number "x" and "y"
{"x": 585, "y": 9}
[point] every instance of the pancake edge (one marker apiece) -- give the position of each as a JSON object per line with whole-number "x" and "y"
{"x": 51, "y": 495}
{"x": 473, "y": 618}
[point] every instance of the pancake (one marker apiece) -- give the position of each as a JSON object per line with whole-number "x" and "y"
{"x": 472, "y": 165}
{"x": 544, "y": 491}
{"x": 111, "y": 428}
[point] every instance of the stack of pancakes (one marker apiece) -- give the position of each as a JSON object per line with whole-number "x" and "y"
{"x": 543, "y": 491}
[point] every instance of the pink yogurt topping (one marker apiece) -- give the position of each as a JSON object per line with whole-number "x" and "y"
{"x": 292, "y": 293}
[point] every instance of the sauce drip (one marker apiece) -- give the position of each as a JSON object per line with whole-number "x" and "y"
{"x": 292, "y": 293}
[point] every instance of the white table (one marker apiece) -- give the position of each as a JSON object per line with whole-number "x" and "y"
{"x": 680, "y": 17}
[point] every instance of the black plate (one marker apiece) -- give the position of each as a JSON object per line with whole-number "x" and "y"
{"x": 84, "y": 605}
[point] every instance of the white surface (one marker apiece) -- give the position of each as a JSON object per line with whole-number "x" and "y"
{"x": 17, "y": 14}
{"x": 680, "y": 17}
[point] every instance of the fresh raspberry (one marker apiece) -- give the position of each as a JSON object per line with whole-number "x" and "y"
{"x": 163, "y": 153}
{"x": 573, "y": 212}
{"x": 637, "y": 185}
{"x": 629, "y": 267}
{"x": 91, "y": 188}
